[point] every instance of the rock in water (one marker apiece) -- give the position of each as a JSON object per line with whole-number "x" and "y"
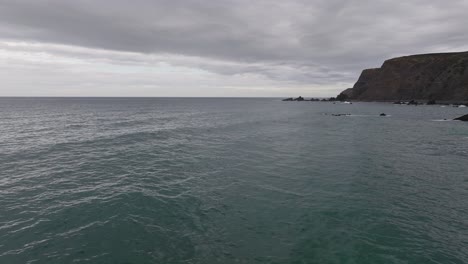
{"x": 300, "y": 98}
{"x": 462, "y": 118}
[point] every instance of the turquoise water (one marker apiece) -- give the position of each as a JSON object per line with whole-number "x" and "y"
{"x": 230, "y": 181}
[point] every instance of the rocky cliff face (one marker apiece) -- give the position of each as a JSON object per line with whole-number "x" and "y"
{"x": 442, "y": 77}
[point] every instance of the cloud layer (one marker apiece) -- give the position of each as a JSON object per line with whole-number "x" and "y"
{"x": 226, "y": 47}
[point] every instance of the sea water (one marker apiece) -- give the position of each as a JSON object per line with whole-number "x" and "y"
{"x": 180, "y": 180}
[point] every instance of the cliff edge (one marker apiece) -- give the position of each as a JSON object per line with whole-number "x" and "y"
{"x": 442, "y": 77}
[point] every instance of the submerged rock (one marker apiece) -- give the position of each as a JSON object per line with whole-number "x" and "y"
{"x": 462, "y": 118}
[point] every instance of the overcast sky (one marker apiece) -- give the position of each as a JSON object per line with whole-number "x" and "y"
{"x": 213, "y": 48}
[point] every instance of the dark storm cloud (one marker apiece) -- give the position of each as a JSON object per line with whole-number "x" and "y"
{"x": 309, "y": 40}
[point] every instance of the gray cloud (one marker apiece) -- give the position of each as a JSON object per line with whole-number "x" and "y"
{"x": 300, "y": 41}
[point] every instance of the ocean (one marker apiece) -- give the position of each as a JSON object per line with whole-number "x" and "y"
{"x": 231, "y": 180}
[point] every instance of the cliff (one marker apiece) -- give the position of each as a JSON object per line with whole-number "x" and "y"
{"x": 442, "y": 77}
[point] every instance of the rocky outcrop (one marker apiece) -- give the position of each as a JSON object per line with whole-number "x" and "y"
{"x": 441, "y": 77}
{"x": 462, "y": 118}
{"x": 299, "y": 99}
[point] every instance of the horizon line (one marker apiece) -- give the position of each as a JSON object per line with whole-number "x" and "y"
{"x": 218, "y": 97}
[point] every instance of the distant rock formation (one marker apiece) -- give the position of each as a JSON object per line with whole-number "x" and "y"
{"x": 426, "y": 77}
{"x": 300, "y": 98}
{"x": 462, "y": 118}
